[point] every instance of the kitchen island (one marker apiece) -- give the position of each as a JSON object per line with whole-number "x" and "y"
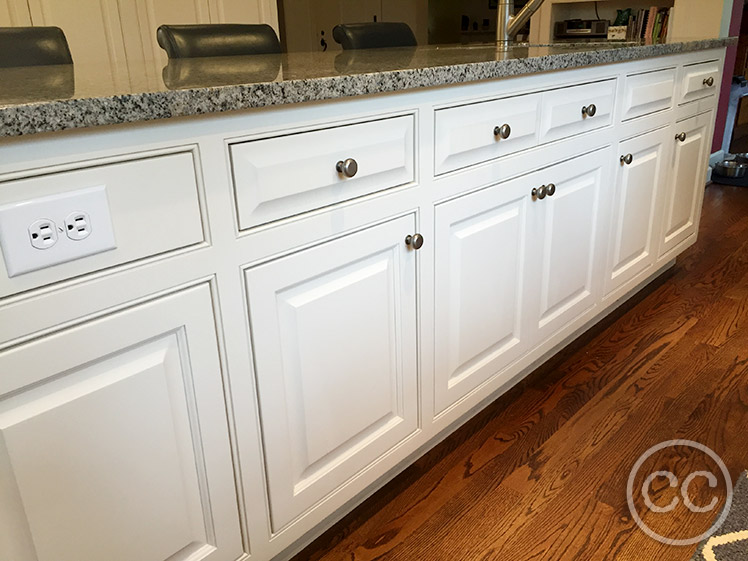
{"x": 259, "y": 288}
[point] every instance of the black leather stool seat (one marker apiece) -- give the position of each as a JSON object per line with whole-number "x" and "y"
{"x": 190, "y": 41}
{"x": 374, "y": 35}
{"x": 33, "y": 46}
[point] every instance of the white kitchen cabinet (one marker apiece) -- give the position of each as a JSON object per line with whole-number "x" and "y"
{"x": 567, "y": 238}
{"x": 647, "y": 93}
{"x": 685, "y": 188}
{"x": 637, "y": 201}
{"x": 512, "y": 268}
{"x": 480, "y": 274}
{"x": 479, "y": 132}
{"x": 155, "y": 428}
{"x": 576, "y": 110}
{"x": 114, "y": 442}
{"x": 95, "y": 38}
{"x": 287, "y": 175}
{"x": 14, "y": 13}
{"x": 334, "y": 335}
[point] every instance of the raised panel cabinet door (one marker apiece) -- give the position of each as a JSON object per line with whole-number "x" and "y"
{"x": 480, "y": 249}
{"x": 14, "y": 13}
{"x": 244, "y": 11}
{"x": 140, "y": 20}
{"x": 636, "y": 216}
{"x": 114, "y": 441}
{"x": 687, "y": 172}
{"x": 93, "y": 31}
{"x": 566, "y": 242}
{"x": 334, "y": 337}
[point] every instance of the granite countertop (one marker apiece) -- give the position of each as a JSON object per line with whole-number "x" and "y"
{"x": 55, "y": 98}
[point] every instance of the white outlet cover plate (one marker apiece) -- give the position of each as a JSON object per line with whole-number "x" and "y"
{"x": 15, "y": 218}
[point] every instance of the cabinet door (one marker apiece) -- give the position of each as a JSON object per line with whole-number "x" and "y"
{"x": 243, "y": 11}
{"x": 565, "y": 245}
{"x": 480, "y": 272}
{"x": 334, "y": 337}
{"x": 636, "y": 213}
{"x": 685, "y": 190}
{"x": 14, "y": 13}
{"x": 141, "y": 19}
{"x": 114, "y": 442}
{"x": 95, "y": 38}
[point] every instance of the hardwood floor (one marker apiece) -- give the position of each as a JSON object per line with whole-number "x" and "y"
{"x": 541, "y": 473}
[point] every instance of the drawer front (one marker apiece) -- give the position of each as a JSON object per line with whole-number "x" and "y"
{"x": 699, "y": 81}
{"x": 153, "y": 206}
{"x": 648, "y": 93}
{"x": 287, "y": 175}
{"x": 562, "y": 110}
{"x": 466, "y": 135}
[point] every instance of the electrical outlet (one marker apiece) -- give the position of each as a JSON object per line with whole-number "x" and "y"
{"x": 47, "y": 231}
{"x": 78, "y": 225}
{"x": 43, "y": 234}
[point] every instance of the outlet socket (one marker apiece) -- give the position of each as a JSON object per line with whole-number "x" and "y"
{"x": 78, "y": 225}
{"x": 43, "y": 234}
{"x": 37, "y": 233}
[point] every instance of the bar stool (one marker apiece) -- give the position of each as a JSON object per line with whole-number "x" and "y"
{"x": 374, "y": 35}
{"x": 33, "y": 46}
{"x": 190, "y": 41}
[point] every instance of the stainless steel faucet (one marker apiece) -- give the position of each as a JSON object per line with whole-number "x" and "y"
{"x": 508, "y": 25}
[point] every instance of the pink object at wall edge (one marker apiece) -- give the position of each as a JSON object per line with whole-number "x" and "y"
{"x": 724, "y": 97}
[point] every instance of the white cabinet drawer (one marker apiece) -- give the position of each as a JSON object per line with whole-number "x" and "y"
{"x": 154, "y": 205}
{"x": 288, "y": 175}
{"x": 471, "y": 134}
{"x": 648, "y": 93}
{"x": 562, "y": 110}
{"x": 699, "y": 81}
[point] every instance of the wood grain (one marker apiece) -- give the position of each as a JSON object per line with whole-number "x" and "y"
{"x": 541, "y": 473}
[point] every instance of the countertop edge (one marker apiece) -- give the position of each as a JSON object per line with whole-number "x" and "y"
{"x": 59, "y": 115}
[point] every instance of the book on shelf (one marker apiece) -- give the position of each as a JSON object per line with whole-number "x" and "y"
{"x": 650, "y": 25}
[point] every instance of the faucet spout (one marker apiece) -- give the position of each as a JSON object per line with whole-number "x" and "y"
{"x": 508, "y": 25}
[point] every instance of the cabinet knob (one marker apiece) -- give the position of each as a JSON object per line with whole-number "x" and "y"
{"x": 627, "y": 159}
{"x": 590, "y": 110}
{"x": 550, "y": 189}
{"x": 709, "y": 82}
{"x": 682, "y": 137}
{"x": 349, "y": 167}
{"x": 541, "y": 192}
{"x": 504, "y": 131}
{"x": 415, "y": 241}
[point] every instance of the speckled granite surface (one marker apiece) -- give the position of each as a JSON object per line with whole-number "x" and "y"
{"x": 47, "y": 99}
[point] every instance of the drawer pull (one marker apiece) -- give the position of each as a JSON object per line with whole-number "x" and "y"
{"x": 590, "y": 110}
{"x": 709, "y": 82}
{"x": 504, "y": 131}
{"x": 541, "y": 192}
{"x": 415, "y": 241}
{"x": 682, "y": 137}
{"x": 349, "y": 167}
{"x": 627, "y": 159}
{"x": 550, "y": 189}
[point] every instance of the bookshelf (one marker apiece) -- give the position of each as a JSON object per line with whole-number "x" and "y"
{"x": 704, "y": 17}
